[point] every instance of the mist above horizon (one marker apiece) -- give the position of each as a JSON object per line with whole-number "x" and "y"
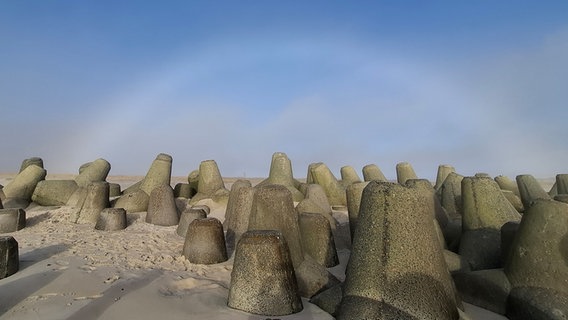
{"x": 480, "y": 86}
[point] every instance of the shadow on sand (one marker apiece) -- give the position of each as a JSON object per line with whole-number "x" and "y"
{"x": 96, "y": 308}
{"x": 13, "y": 292}
{"x": 30, "y": 258}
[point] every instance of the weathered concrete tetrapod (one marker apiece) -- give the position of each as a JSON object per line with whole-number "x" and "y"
{"x": 12, "y": 220}
{"x": 263, "y": 280}
{"x": 539, "y": 252}
{"x": 451, "y": 195}
{"x": 310, "y": 176}
{"x": 404, "y": 171}
{"x": 54, "y": 192}
{"x": 96, "y": 200}
{"x": 397, "y": 268}
{"x": 316, "y": 202}
{"x": 537, "y": 265}
{"x": 25, "y": 182}
{"x": 333, "y": 189}
{"x": 114, "y": 190}
{"x": 507, "y": 184}
{"x": 508, "y": 232}
{"x": 316, "y": 193}
{"x": 317, "y": 239}
{"x": 273, "y": 209}
{"x": 111, "y": 219}
{"x": 349, "y": 175}
{"x": 485, "y": 211}
{"x": 160, "y": 173}
{"x": 162, "y": 209}
{"x": 373, "y": 172}
{"x": 193, "y": 181}
{"x": 530, "y": 190}
{"x": 237, "y": 214}
{"x": 9, "y": 257}
{"x": 95, "y": 171}
{"x": 484, "y": 205}
{"x": 443, "y": 171}
{"x": 424, "y": 186}
{"x": 187, "y": 217}
{"x": 210, "y": 185}
{"x": 354, "y": 193}
{"x": 562, "y": 183}
{"x": 183, "y": 190}
{"x": 31, "y": 161}
{"x": 205, "y": 242}
{"x": 232, "y": 201}
{"x": 514, "y": 200}
{"x": 134, "y": 201}
{"x": 488, "y": 289}
{"x": 281, "y": 173}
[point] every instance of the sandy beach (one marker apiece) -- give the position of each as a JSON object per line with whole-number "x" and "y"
{"x": 71, "y": 271}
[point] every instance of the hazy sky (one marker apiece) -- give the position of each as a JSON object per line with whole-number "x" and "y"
{"x": 481, "y": 85}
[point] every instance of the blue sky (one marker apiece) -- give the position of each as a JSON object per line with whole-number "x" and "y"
{"x": 480, "y": 85}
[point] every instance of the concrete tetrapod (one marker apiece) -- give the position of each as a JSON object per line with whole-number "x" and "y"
{"x": 183, "y": 190}
{"x": 316, "y": 202}
{"x": 193, "y": 181}
{"x": 317, "y": 239}
{"x": 349, "y": 176}
{"x": 562, "y": 183}
{"x": 397, "y": 268}
{"x": 335, "y": 192}
{"x": 281, "y": 173}
{"x": 205, "y": 242}
{"x": 111, "y": 219}
{"x": 9, "y": 257}
{"x": 507, "y": 184}
{"x": 159, "y": 174}
{"x": 114, "y": 190}
{"x": 162, "y": 209}
{"x": 133, "y": 201}
{"x": 373, "y": 172}
{"x": 530, "y": 190}
{"x": 309, "y": 205}
{"x": 96, "y": 200}
{"x": 309, "y": 176}
{"x": 210, "y": 185}
{"x": 450, "y": 194}
{"x": 54, "y": 192}
{"x": 273, "y": 209}
{"x": 263, "y": 280}
{"x": 485, "y": 211}
{"x": 561, "y": 188}
{"x": 514, "y": 200}
{"x": 316, "y": 194}
{"x": 232, "y": 201}
{"x": 95, "y": 171}
{"x": 439, "y": 213}
{"x": 237, "y": 214}
{"x": 354, "y": 193}
{"x": 443, "y": 171}
{"x": 404, "y": 171}
{"x": 31, "y": 161}
{"x": 187, "y": 217}
{"x": 537, "y": 266}
{"x": 484, "y": 205}
{"x": 12, "y": 220}
{"x": 488, "y": 289}
{"x": 20, "y": 190}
